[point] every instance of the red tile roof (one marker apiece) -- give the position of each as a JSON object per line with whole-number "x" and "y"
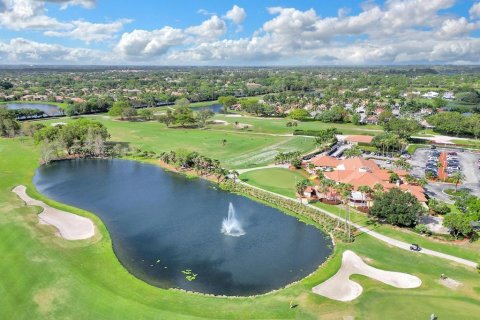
{"x": 359, "y": 138}
{"x": 325, "y": 161}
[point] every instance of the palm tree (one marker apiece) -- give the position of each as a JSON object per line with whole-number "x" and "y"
{"x": 235, "y": 176}
{"x": 301, "y": 186}
{"x": 320, "y": 175}
{"x": 345, "y": 194}
{"x": 457, "y": 178}
{"x": 402, "y": 163}
{"x": 220, "y": 173}
{"x": 378, "y": 189}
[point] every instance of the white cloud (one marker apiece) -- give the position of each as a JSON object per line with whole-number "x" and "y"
{"x": 91, "y": 32}
{"x": 65, "y": 3}
{"x": 27, "y": 14}
{"x": 237, "y": 15}
{"x": 21, "y": 50}
{"x": 410, "y": 31}
{"x": 457, "y": 27}
{"x": 142, "y": 43}
{"x": 475, "y": 11}
{"x": 399, "y": 31}
{"x": 208, "y": 29}
{"x": 205, "y": 12}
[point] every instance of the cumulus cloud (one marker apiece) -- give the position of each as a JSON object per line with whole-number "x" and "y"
{"x": 91, "y": 32}
{"x": 21, "y": 50}
{"x": 237, "y": 15}
{"x": 27, "y": 14}
{"x": 457, "y": 27}
{"x": 475, "y": 11}
{"x": 65, "y": 3}
{"x": 410, "y": 31}
{"x": 142, "y": 43}
{"x": 208, "y": 29}
{"x": 398, "y": 31}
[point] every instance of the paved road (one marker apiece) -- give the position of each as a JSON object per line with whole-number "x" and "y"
{"x": 381, "y": 237}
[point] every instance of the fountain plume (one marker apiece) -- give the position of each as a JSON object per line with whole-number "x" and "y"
{"x": 231, "y": 226}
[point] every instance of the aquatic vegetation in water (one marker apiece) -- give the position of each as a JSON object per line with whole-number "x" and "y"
{"x": 189, "y": 275}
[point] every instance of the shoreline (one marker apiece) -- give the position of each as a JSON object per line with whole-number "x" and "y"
{"x": 70, "y": 226}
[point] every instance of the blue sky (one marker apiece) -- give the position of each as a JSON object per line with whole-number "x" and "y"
{"x": 341, "y": 32}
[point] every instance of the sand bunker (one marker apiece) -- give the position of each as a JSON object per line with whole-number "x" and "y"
{"x": 341, "y": 288}
{"x": 450, "y": 283}
{"x": 70, "y": 226}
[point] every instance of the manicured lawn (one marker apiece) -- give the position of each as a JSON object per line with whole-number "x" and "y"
{"x": 240, "y": 150}
{"x": 44, "y": 277}
{"x": 281, "y": 181}
{"x": 468, "y": 143}
{"x": 279, "y": 126}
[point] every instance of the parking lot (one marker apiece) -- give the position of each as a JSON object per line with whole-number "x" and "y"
{"x": 424, "y": 161}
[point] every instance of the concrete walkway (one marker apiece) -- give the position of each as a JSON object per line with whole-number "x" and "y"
{"x": 70, "y": 226}
{"x": 271, "y": 166}
{"x": 381, "y": 237}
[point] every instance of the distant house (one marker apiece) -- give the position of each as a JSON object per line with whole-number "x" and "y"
{"x": 309, "y": 192}
{"x": 430, "y": 95}
{"x": 449, "y": 95}
{"x": 371, "y": 120}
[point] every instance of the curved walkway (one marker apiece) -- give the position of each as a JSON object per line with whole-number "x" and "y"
{"x": 70, "y": 226}
{"x": 381, "y": 237}
{"x": 341, "y": 288}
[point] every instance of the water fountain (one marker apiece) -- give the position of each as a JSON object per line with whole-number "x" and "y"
{"x": 231, "y": 226}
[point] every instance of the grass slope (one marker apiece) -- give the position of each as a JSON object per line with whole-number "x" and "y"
{"x": 279, "y": 125}
{"x": 44, "y": 277}
{"x": 240, "y": 150}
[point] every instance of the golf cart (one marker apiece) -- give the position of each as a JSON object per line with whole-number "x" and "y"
{"x": 415, "y": 247}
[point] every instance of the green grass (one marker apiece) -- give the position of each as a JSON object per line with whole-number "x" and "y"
{"x": 411, "y": 148}
{"x": 240, "y": 150}
{"x": 282, "y": 181}
{"x": 474, "y": 144}
{"x": 44, "y": 277}
{"x": 278, "y": 125}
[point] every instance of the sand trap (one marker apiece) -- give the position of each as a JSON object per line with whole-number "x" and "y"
{"x": 450, "y": 283}
{"x": 341, "y": 288}
{"x": 219, "y": 122}
{"x": 70, "y": 226}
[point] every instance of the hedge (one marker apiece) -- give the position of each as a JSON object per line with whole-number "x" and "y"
{"x": 331, "y": 225}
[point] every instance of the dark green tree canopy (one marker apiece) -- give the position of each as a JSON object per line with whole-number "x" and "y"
{"x": 398, "y": 208}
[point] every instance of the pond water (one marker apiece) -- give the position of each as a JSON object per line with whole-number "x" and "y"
{"x": 216, "y": 108}
{"x": 49, "y": 109}
{"x": 162, "y": 223}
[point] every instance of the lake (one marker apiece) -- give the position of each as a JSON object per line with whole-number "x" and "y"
{"x": 216, "y": 108}
{"x": 49, "y": 109}
{"x": 163, "y": 224}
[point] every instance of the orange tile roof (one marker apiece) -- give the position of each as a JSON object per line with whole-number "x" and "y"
{"x": 382, "y": 174}
{"x": 359, "y": 138}
{"x": 325, "y": 161}
{"x": 357, "y": 163}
